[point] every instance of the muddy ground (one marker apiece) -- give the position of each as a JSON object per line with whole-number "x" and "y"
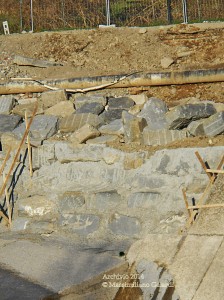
{"x": 107, "y": 51}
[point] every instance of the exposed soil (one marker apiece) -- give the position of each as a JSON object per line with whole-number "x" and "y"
{"x": 125, "y": 50}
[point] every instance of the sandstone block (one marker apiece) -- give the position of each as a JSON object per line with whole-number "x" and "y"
{"x": 51, "y": 98}
{"x": 124, "y": 225}
{"x": 161, "y": 137}
{"x": 61, "y": 109}
{"x": 74, "y": 122}
{"x": 166, "y": 62}
{"x": 83, "y": 134}
{"x": 29, "y": 108}
{"x": 182, "y": 115}
{"x": 102, "y": 139}
{"x": 133, "y": 127}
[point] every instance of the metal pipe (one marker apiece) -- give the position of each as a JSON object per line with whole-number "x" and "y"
{"x": 134, "y": 80}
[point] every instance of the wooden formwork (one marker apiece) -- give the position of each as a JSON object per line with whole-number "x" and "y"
{"x": 193, "y": 210}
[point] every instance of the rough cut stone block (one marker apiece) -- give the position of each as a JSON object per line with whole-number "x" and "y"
{"x": 195, "y": 128}
{"x": 61, "y": 109}
{"x": 93, "y": 107}
{"x": 102, "y": 139}
{"x": 51, "y": 98}
{"x": 81, "y": 100}
{"x": 83, "y": 134}
{"x": 42, "y": 127}
{"x": 35, "y": 206}
{"x": 29, "y": 108}
{"x": 139, "y": 99}
{"x": 8, "y": 123}
{"x": 161, "y": 137}
{"x": 82, "y": 224}
{"x": 43, "y": 155}
{"x": 124, "y": 225}
{"x": 182, "y": 115}
{"x": 74, "y": 122}
{"x": 111, "y": 115}
{"x": 69, "y": 202}
{"x": 27, "y": 100}
{"x": 6, "y": 104}
{"x": 214, "y": 125}
{"x": 120, "y": 103}
{"x": 144, "y": 200}
{"x": 105, "y": 201}
{"x": 133, "y": 127}
{"x": 115, "y": 127}
{"x": 8, "y": 139}
{"x": 154, "y": 112}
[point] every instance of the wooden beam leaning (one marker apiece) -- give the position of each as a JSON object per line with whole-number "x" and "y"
{"x": 186, "y": 202}
{"x": 18, "y": 151}
{"x": 206, "y": 206}
{"x": 8, "y": 203}
{"x": 203, "y": 164}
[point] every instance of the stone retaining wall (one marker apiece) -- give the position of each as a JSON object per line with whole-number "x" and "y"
{"x": 99, "y": 191}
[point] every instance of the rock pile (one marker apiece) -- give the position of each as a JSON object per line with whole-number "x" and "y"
{"x": 98, "y": 119}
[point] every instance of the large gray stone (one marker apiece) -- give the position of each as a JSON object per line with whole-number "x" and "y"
{"x": 124, "y": 225}
{"x": 6, "y": 104}
{"x": 111, "y": 115}
{"x": 182, "y": 115}
{"x": 115, "y": 128}
{"x": 93, "y": 108}
{"x": 105, "y": 201}
{"x": 81, "y": 100}
{"x": 154, "y": 111}
{"x": 41, "y": 128}
{"x": 8, "y": 123}
{"x": 162, "y": 137}
{"x": 82, "y": 224}
{"x": 133, "y": 127}
{"x": 74, "y": 122}
{"x": 61, "y": 109}
{"x": 102, "y": 139}
{"x": 143, "y": 200}
{"x": 69, "y": 202}
{"x": 120, "y": 103}
{"x": 214, "y": 125}
{"x": 195, "y": 128}
{"x": 28, "y": 108}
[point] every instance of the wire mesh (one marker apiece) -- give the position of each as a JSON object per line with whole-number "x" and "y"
{"x": 65, "y": 14}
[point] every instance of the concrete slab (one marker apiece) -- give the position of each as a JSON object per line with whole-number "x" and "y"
{"x": 155, "y": 247}
{"x": 212, "y": 286}
{"x": 57, "y": 264}
{"x": 192, "y": 262}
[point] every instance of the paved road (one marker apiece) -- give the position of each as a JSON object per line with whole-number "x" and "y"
{"x": 13, "y": 287}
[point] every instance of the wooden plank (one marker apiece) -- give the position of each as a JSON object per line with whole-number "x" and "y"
{"x": 29, "y": 147}
{"x": 214, "y": 171}
{"x": 186, "y": 202}
{"x": 203, "y": 164}
{"x": 206, "y": 206}
{"x": 18, "y": 151}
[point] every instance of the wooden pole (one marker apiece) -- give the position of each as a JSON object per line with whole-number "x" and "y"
{"x": 215, "y": 171}
{"x": 29, "y": 147}
{"x": 18, "y": 151}
{"x": 186, "y": 202}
